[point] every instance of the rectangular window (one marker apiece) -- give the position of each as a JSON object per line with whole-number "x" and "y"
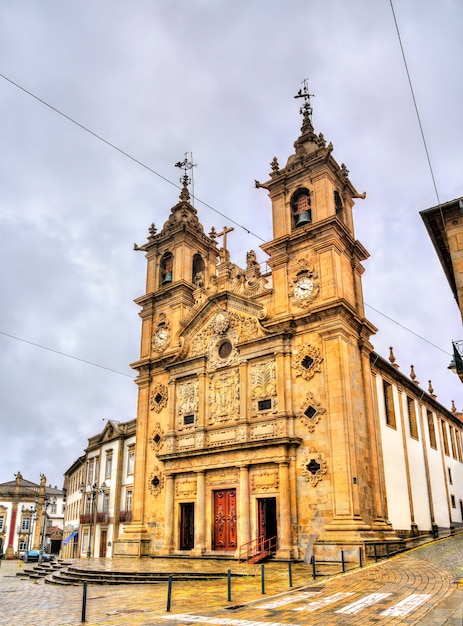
{"x": 450, "y": 475}
{"x": 105, "y": 502}
{"x": 53, "y": 508}
{"x": 431, "y": 430}
{"x": 130, "y": 461}
{"x": 452, "y": 442}
{"x": 188, "y": 419}
{"x": 389, "y": 404}
{"x": 128, "y": 500}
{"x": 22, "y": 544}
{"x": 412, "y": 422}
{"x": 454, "y": 504}
{"x": 2, "y": 521}
{"x": 108, "y": 465}
{"x": 458, "y": 439}
{"x": 25, "y": 524}
{"x": 444, "y": 437}
{"x": 90, "y": 472}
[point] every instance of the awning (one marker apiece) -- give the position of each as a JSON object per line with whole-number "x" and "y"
{"x": 71, "y": 536}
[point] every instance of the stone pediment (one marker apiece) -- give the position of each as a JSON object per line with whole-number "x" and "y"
{"x": 220, "y": 326}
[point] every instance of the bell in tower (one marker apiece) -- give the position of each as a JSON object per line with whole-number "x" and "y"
{"x": 301, "y": 208}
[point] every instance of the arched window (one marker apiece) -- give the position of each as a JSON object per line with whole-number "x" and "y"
{"x": 301, "y": 211}
{"x": 198, "y": 271}
{"x": 167, "y": 263}
{"x": 338, "y": 205}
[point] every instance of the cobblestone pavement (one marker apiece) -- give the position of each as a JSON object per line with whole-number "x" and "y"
{"x": 418, "y": 587}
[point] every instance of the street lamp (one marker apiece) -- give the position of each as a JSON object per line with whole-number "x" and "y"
{"x": 47, "y": 501}
{"x": 91, "y": 495}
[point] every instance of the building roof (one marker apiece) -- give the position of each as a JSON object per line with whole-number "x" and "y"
{"x": 433, "y": 219}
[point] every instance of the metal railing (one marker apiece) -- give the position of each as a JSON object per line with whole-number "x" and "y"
{"x": 257, "y": 549}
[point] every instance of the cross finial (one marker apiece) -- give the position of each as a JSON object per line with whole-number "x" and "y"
{"x": 224, "y": 235}
{"x": 306, "y": 108}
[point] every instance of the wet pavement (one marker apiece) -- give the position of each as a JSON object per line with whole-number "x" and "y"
{"x": 423, "y": 586}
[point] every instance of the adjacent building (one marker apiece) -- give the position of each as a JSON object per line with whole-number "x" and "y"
{"x": 31, "y": 516}
{"x": 99, "y": 488}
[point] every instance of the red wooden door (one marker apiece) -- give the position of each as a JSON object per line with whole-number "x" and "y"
{"x": 225, "y": 520}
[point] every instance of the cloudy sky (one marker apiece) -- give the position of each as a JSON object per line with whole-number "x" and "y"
{"x": 216, "y": 78}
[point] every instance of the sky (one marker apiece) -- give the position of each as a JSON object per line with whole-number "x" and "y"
{"x": 146, "y": 82}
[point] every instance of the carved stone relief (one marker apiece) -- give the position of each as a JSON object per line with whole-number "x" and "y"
{"x": 158, "y": 397}
{"x": 187, "y": 404}
{"x": 314, "y": 467}
{"x": 157, "y": 437}
{"x": 263, "y": 385}
{"x": 185, "y": 487}
{"x": 223, "y": 401}
{"x": 156, "y": 482}
{"x": 311, "y": 412}
{"x": 266, "y": 480}
{"x": 307, "y": 361}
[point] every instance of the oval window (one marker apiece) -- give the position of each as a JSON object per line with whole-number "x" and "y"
{"x": 225, "y": 349}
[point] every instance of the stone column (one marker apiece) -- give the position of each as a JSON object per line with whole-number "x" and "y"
{"x": 244, "y": 510}
{"x": 200, "y": 514}
{"x": 284, "y": 550}
{"x": 169, "y": 516}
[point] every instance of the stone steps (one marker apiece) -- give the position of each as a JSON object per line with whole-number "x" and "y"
{"x": 75, "y": 575}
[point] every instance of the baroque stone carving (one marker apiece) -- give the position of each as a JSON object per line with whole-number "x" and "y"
{"x": 266, "y": 480}
{"x": 156, "y": 482}
{"x": 187, "y": 403}
{"x": 223, "y": 396}
{"x": 310, "y": 412}
{"x": 307, "y": 361}
{"x": 157, "y": 437}
{"x": 263, "y": 384}
{"x": 185, "y": 487}
{"x": 314, "y": 467}
{"x": 158, "y": 397}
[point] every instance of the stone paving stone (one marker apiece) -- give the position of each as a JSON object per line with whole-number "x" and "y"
{"x": 433, "y": 569}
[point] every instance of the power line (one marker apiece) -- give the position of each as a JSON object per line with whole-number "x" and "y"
{"x": 69, "y": 356}
{"x": 407, "y": 329}
{"x": 135, "y": 160}
{"x": 415, "y": 103}
{"x": 123, "y": 152}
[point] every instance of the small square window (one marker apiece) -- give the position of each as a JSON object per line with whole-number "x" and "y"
{"x": 310, "y": 412}
{"x": 264, "y": 405}
{"x": 189, "y": 419}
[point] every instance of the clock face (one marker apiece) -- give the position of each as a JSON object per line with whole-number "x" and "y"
{"x": 160, "y": 338}
{"x": 303, "y": 288}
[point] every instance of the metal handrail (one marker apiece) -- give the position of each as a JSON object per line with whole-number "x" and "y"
{"x": 256, "y": 546}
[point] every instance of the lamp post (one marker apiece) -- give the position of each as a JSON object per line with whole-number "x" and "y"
{"x": 47, "y": 501}
{"x": 91, "y": 495}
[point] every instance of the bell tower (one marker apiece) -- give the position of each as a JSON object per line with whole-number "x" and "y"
{"x": 316, "y": 265}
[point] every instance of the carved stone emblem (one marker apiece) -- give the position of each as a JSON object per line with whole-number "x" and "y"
{"x": 314, "y": 467}
{"x": 307, "y": 361}
{"x": 221, "y": 322}
{"x": 158, "y": 397}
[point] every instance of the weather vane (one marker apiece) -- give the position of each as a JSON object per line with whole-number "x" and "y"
{"x": 306, "y": 108}
{"x": 186, "y": 165}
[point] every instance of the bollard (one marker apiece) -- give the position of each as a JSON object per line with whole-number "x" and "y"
{"x": 343, "y": 564}
{"x": 387, "y": 549}
{"x": 169, "y": 593}
{"x": 360, "y": 557}
{"x": 376, "y": 553}
{"x": 314, "y": 573}
{"x": 84, "y": 601}
{"x": 229, "y": 585}
{"x": 290, "y": 574}
{"x": 262, "y": 569}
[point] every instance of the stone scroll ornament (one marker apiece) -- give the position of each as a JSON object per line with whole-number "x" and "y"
{"x": 156, "y": 482}
{"x": 314, "y": 467}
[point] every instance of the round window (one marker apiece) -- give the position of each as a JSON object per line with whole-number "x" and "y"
{"x": 225, "y": 349}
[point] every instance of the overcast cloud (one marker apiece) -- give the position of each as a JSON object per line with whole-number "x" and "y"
{"x": 158, "y": 79}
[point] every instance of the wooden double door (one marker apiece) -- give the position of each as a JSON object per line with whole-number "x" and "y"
{"x": 225, "y": 522}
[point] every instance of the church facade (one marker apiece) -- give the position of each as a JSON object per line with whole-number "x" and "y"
{"x": 263, "y": 412}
